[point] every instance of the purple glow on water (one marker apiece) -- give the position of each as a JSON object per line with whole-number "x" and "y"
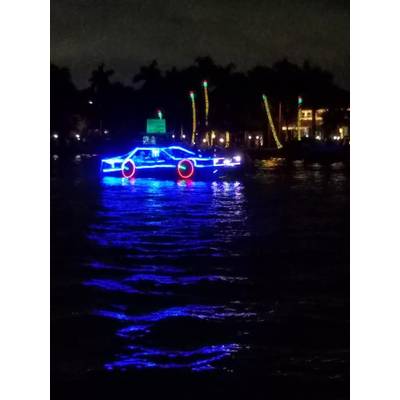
{"x": 148, "y": 357}
{"x": 181, "y": 280}
{"x": 200, "y": 359}
{"x": 193, "y": 311}
{"x": 108, "y": 284}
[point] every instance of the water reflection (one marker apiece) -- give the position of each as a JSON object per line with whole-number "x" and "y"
{"x": 168, "y": 236}
{"x": 197, "y": 360}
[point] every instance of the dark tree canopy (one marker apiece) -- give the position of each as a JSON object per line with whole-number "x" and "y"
{"x": 235, "y": 97}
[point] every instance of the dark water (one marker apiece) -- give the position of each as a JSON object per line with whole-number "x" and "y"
{"x": 193, "y": 289}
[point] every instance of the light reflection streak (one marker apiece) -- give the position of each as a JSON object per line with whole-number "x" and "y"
{"x": 148, "y": 357}
{"x": 192, "y": 310}
{"x": 125, "y": 284}
{"x": 157, "y": 358}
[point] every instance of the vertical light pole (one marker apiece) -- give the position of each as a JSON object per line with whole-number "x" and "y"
{"x": 227, "y": 139}
{"x": 213, "y": 136}
{"x": 207, "y": 103}
{"x": 271, "y": 122}
{"x": 299, "y": 103}
{"x": 193, "y": 117}
{"x": 280, "y": 118}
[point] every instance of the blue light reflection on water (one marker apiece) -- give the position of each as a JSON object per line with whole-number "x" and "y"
{"x": 168, "y": 218}
{"x": 203, "y": 357}
{"x": 154, "y": 223}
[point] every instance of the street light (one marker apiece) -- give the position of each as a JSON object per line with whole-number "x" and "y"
{"x": 90, "y": 101}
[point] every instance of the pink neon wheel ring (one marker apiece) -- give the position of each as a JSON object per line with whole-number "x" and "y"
{"x": 185, "y": 169}
{"x": 128, "y": 169}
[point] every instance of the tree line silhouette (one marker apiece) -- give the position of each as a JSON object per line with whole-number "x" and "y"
{"x": 235, "y": 98}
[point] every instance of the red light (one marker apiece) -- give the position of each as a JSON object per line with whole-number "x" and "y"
{"x": 185, "y": 169}
{"x": 131, "y": 169}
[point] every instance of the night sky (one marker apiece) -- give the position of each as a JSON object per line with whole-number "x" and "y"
{"x": 126, "y": 34}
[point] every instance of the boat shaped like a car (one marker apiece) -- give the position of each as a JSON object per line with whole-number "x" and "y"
{"x": 159, "y": 161}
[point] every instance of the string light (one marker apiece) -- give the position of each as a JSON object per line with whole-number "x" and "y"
{"x": 207, "y": 103}
{"x": 271, "y": 122}
{"x": 213, "y": 136}
{"x": 193, "y": 117}
{"x": 299, "y": 103}
{"x": 227, "y": 138}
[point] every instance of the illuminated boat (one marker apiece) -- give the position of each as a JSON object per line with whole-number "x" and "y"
{"x": 153, "y": 161}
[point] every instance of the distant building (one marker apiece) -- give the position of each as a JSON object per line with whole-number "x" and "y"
{"x": 305, "y": 125}
{"x": 290, "y": 130}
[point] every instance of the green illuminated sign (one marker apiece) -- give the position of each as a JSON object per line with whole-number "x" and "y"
{"x": 156, "y": 125}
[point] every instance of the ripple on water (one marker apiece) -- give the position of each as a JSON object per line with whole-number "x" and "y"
{"x": 168, "y": 220}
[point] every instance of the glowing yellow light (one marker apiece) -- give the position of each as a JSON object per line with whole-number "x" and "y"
{"x": 207, "y": 103}
{"x": 207, "y": 139}
{"x": 227, "y": 138}
{"x": 193, "y": 117}
{"x": 299, "y": 103}
{"x": 271, "y": 122}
